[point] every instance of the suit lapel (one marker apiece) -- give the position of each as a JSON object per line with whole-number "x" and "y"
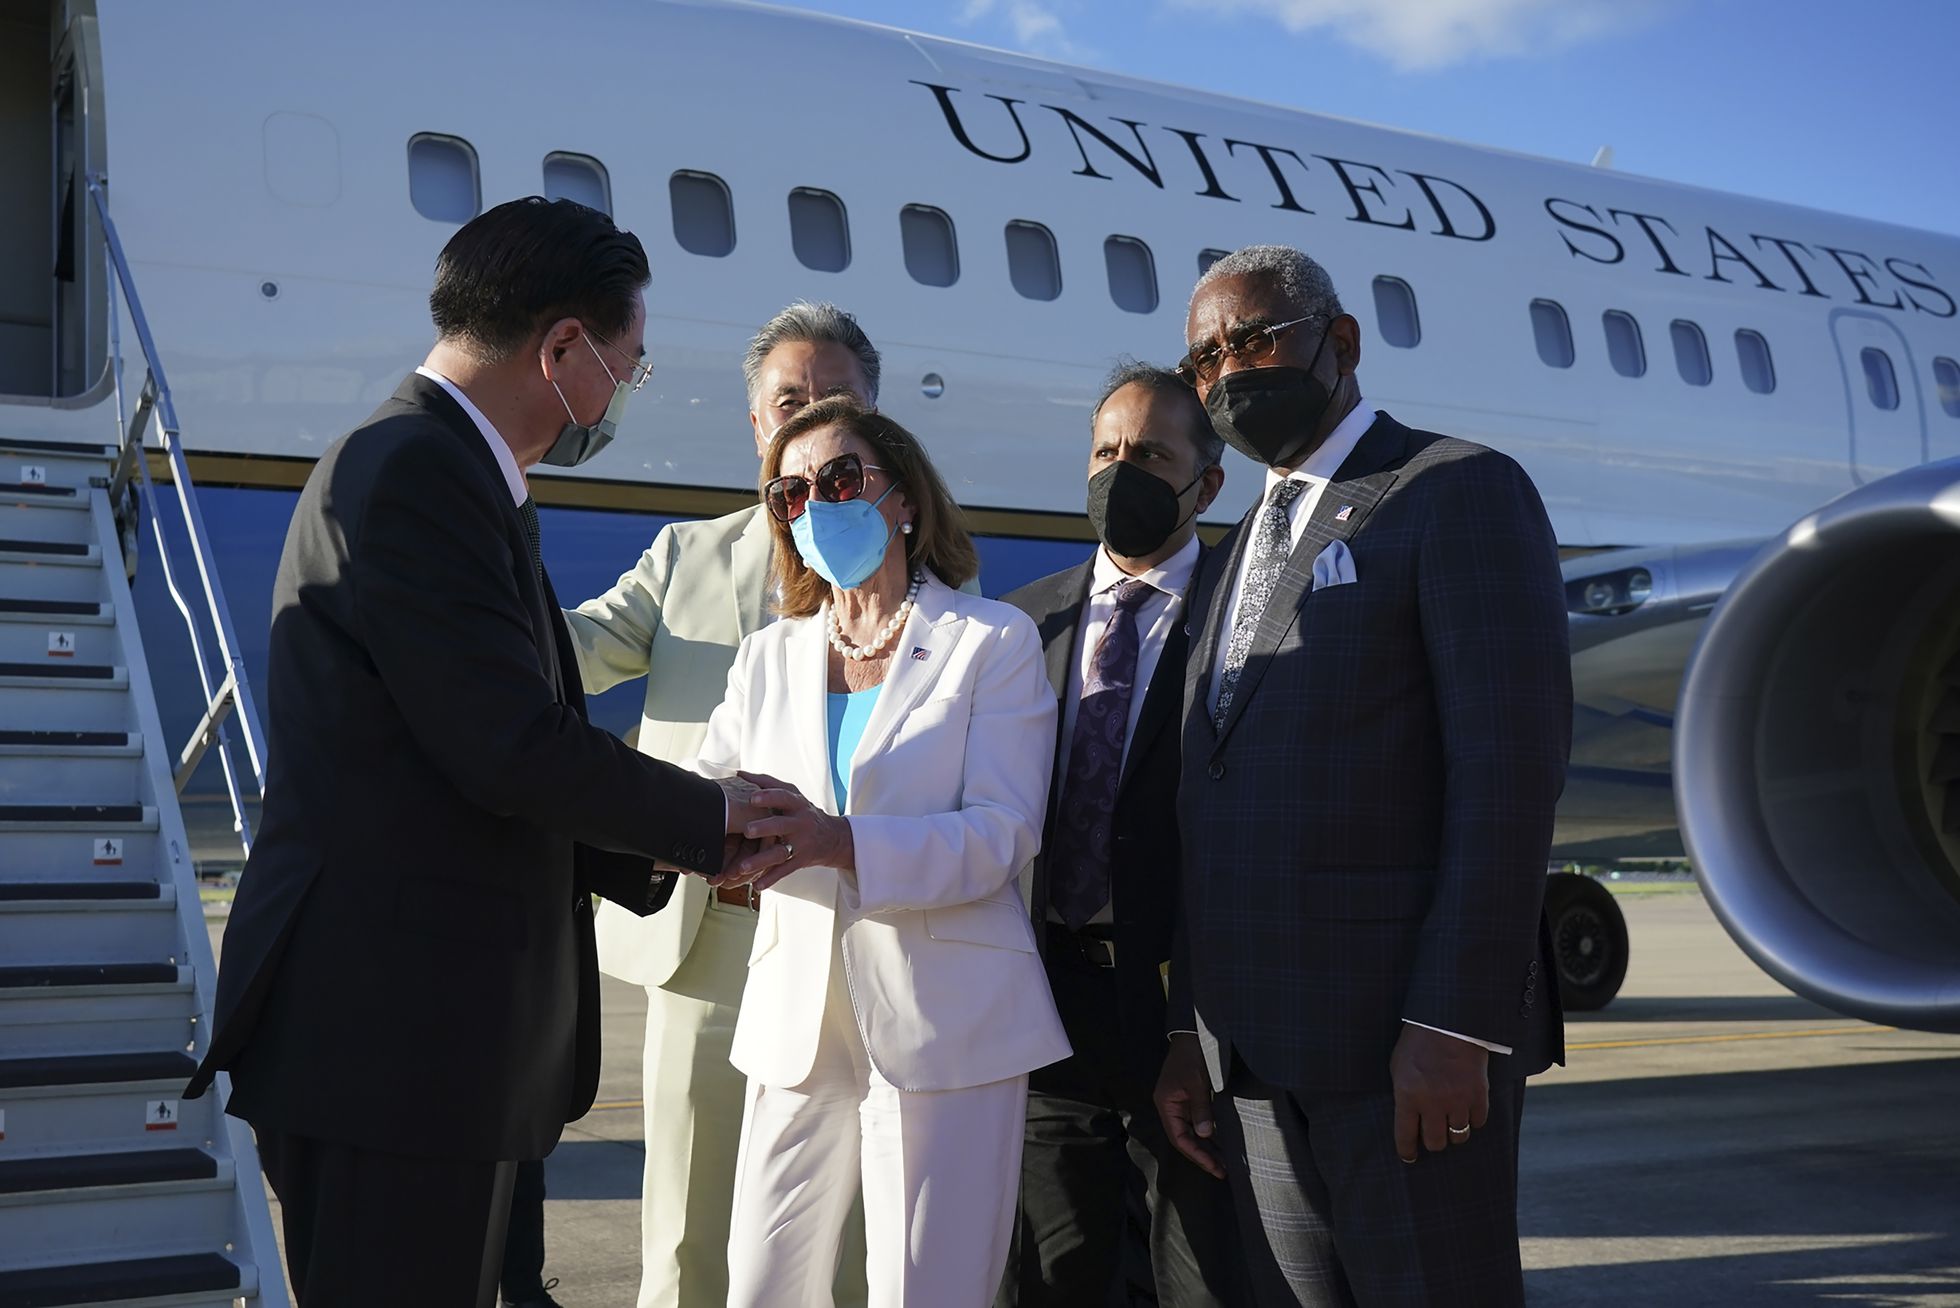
{"x": 748, "y": 573}
{"x": 1342, "y": 509}
{"x": 1161, "y": 700}
{"x": 922, "y": 649}
{"x": 806, "y": 655}
{"x": 1060, "y": 624}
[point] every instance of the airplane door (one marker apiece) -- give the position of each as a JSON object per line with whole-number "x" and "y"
{"x": 80, "y": 298}
{"x": 1881, "y": 390}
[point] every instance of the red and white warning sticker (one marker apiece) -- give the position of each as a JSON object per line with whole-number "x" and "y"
{"x": 108, "y": 852}
{"x": 61, "y": 644}
{"x": 160, "y": 1115}
{"x": 3, "y": 1124}
{"x": 33, "y": 474}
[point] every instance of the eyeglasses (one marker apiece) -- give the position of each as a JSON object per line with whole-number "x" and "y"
{"x": 1249, "y": 345}
{"x": 839, "y": 480}
{"x": 642, "y": 371}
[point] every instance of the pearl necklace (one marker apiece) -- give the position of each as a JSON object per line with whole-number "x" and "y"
{"x": 885, "y": 633}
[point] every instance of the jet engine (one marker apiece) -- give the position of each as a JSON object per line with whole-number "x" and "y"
{"x": 1817, "y": 753}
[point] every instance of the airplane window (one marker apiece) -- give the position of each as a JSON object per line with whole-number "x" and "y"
{"x": 577, "y": 177}
{"x": 1206, "y": 258}
{"x": 1553, "y": 333}
{"x": 1946, "y": 373}
{"x": 1881, "y": 383}
{"x": 1752, "y": 352}
{"x": 1395, "y": 312}
{"x": 819, "y": 231}
{"x": 1624, "y": 348}
{"x": 1691, "y": 353}
{"x": 442, "y": 178}
{"x": 704, "y": 216}
{"x": 1032, "y": 262}
{"x": 932, "y": 251}
{"x": 1132, "y": 274}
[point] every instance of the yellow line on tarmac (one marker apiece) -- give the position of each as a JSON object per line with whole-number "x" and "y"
{"x": 1729, "y": 1037}
{"x": 1726, "y": 1038}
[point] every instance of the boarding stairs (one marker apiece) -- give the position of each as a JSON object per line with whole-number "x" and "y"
{"x": 113, "y": 1188}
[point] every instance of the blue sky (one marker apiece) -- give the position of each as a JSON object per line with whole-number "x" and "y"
{"x": 1847, "y": 105}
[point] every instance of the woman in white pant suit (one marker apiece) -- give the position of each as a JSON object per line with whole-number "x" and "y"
{"x": 894, "y": 1004}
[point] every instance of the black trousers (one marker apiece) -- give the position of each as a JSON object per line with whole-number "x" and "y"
{"x": 1329, "y": 1216}
{"x": 366, "y": 1229}
{"x": 523, "y": 1267}
{"x": 1110, "y": 1215}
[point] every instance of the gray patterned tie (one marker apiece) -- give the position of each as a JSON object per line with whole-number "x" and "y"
{"x": 1272, "y": 542}
{"x": 527, "y": 513}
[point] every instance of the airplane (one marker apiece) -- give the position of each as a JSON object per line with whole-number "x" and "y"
{"x": 1684, "y": 373}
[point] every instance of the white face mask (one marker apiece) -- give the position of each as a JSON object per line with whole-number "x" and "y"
{"x": 577, "y": 442}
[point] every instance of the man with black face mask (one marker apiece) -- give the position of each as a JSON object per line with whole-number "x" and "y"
{"x": 1102, "y": 891}
{"x": 1377, "y": 716}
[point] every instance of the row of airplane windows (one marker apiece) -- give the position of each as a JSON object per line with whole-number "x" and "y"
{"x": 444, "y": 186}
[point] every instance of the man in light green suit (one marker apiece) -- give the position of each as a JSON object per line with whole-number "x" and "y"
{"x": 676, "y": 619}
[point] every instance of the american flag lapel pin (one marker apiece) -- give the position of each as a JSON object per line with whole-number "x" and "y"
{"x": 920, "y": 653}
{"x": 1347, "y": 511}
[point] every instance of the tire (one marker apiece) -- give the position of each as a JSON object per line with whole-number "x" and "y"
{"x": 1589, "y": 941}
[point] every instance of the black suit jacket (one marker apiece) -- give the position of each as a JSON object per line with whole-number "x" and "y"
{"x": 1366, "y": 839}
{"x": 409, "y": 964}
{"x": 1143, "y": 868}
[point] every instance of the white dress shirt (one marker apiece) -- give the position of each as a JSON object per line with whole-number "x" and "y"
{"x": 1156, "y": 618}
{"x": 1316, "y": 472}
{"x": 506, "y": 461}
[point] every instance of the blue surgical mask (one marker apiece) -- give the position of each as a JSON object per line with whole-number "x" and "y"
{"x": 843, "y": 543}
{"x": 577, "y": 442}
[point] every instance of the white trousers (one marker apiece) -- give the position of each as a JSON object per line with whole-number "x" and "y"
{"x": 940, "y": 1172}
{"x": 694, "y": 1103}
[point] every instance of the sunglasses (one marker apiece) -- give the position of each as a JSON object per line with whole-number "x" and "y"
{"x": 837, "y": 481}
{"x": 1249, "y": 345}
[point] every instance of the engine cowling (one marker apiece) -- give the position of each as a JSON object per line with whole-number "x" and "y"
{"x": 1817, "y": 753}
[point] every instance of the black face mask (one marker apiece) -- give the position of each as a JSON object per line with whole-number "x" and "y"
{"x": 1271, "y": 415}
{"x": 1133, "y": 512}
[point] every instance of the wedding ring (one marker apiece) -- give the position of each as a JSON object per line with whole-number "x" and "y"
{"x": 789, "y": 850}
{"x": 1459, "y": 1130}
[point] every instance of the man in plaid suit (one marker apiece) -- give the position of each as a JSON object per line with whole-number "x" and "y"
{"x": 1377, "y": 717}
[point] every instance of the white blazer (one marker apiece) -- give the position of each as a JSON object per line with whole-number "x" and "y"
{"x": 948, "y": 789}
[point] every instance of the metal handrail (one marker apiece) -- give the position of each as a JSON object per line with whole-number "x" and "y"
{"x": 233, "y": 693}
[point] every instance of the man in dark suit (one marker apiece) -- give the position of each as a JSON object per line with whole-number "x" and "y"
{"x": 1102, "y": 891}
{"x": 1378, "y": 709}
{"x": 409, "y": 1002}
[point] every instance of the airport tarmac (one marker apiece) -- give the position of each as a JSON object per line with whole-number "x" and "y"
{"x": 1713, "y": 1140}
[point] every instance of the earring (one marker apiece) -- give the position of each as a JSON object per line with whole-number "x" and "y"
{"x": 906, "y": 528}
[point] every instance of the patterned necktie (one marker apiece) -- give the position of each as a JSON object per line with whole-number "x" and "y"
{"x": 1272, "y": 543}
{"x": 1086, "y": 815}
{"x": 528, "y": 512}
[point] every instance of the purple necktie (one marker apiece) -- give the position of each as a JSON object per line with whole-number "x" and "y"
{"x": 1079, "y": 863}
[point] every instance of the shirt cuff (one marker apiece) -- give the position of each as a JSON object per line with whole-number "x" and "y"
{"x": 1484, "y": 1044}
{"x": 1179, "y": 1033}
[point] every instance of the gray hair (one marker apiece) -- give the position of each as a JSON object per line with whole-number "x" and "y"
{"x": 815, "y": 324}
{"x": 1305, "y": 284}
{"x": 1134, "y": 372}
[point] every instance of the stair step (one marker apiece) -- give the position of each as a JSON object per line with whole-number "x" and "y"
{"x": 63, "y": 976}
{"x": 67, "y": 449}
{"x": 55, "y": 775}
{"x": 55, "y": 551}
{"x": 88, "y": 740}
{"x": 102, "y": 816}
{"x": 92, "y": 930}
{"x": 32, "y": 892}
{"x": 31, "y": 491}
{"x": 94, "y": 1171}
{"x": 38, "y": 701}
{"x": 62, "y": 671}
{"x": 117, "y": 1210}
{"x": 139, "y": 1279}
{"x": 96, "y": 1069}
{"x": 34, "y": 610}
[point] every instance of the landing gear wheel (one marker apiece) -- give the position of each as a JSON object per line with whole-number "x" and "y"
{"x": 1589, "y": 941}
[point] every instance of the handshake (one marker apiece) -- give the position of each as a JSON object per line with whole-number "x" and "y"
{"x": 772, "y": 831}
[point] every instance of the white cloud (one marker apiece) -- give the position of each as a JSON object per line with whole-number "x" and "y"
{"x": 1034, "y": 26}
{"x": 1417, "y": 35}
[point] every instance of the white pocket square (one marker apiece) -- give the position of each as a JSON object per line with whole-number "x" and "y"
{"x": 1334, "y": 567}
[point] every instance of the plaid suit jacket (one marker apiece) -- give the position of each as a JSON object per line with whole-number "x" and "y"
{"x": 1365, "y": 841}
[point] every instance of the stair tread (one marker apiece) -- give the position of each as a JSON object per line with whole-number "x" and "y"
{"x": 35, "y": 488}
{"x": 83, "y": 1171}
{"x": 54, "y": 607}
{"x": 65, "y": 671}
{"x": 71, "y": 812}
{"x": 96, "y": 1069}
{"x": 69, "y": 739}
{"x": 82, "y": 450}
{"x": 65, "y": 548}
{"x": 30, "y": 891}
{"x": 43, "y": 976}
{"x": 130, "y": 1278}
